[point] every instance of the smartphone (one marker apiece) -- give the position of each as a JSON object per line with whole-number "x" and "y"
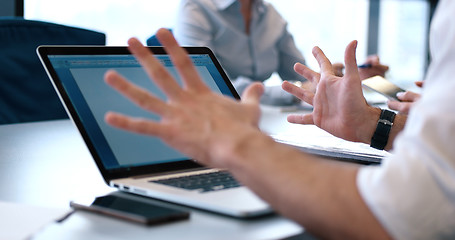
{"x": 131, "y": 210}
{"x": 383, "y": 86}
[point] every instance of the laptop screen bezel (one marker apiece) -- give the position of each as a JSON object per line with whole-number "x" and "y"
{"x": 110, "y": 174}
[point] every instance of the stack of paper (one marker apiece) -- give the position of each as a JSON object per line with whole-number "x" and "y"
{"x": 324, "y": 144}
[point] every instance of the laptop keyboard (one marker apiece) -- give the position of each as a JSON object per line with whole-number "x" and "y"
{"x": 203, "y": 182}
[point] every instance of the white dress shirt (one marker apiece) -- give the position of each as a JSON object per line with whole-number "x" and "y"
{"x": 219, "y": 25}
{"x": 413, "y": 192}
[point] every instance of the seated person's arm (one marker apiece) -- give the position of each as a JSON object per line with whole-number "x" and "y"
{"x": 221, "y": 132}
{"x": 372, "y": 67}
{"x": 289, "y": 54}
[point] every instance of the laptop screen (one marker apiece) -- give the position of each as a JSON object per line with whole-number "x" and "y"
{"x": 81, "y": 78}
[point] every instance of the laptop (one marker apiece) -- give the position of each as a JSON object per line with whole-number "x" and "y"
{"x": 135, "y": 163}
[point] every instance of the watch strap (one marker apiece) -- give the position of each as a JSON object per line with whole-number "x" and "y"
{"x": 382, "y": 132}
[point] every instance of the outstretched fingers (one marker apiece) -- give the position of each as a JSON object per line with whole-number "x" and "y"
{"x": 154, "y": 69}
{"x": 181, "y": 60}
{"x": 136, "y": 94}
{"x": 137, "y": 125}
{"x": 301, "y": 93}
{"x": 307, "y": 73}
{"x": 323, "y": 61}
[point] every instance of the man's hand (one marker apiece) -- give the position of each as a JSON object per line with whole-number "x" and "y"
{"x": 370, "y": 68}
{"x": 338, "y": 103}
{"x": 195, "y": 120}
{"x": 407, "y": 100}
{"x": 374, "y": 68}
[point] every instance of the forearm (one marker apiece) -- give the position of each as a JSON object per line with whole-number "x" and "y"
{"x": 317, "y": 193}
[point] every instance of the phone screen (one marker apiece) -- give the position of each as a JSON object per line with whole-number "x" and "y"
{"x": 128, "y": 209}
{"x": 383, "y": 86}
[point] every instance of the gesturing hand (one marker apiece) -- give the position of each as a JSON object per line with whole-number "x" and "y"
{"x": 196, "y": 121}
{"x": 338, "y": 103}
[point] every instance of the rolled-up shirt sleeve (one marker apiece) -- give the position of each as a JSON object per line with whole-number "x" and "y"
{"x": 411, "y": 199}
{"x": 412, "y": 193}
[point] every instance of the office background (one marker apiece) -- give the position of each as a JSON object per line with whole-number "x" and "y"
{"x": 396, "y": 30}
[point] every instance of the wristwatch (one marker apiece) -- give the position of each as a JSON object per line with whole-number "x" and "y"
{"x": 381, "y": 135}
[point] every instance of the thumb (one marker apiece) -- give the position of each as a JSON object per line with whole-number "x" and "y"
{"x": 253, "y": 93}
{"x": 350, "y": 60}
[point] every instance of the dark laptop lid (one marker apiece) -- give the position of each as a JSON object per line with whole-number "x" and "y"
{"x": 77, "y": 74}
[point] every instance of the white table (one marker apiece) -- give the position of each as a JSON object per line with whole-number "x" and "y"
{"x": 47, "y": 164}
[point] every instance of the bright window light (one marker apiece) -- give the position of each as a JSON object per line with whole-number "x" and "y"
{"x": 329, "y": 24}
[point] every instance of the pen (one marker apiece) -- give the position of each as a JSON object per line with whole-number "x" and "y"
{"x": 366, "y": 65}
